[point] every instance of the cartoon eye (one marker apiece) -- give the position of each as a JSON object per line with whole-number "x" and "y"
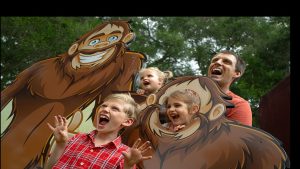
{"x": 112, "y": 38}
{"x": 94, "y": 42}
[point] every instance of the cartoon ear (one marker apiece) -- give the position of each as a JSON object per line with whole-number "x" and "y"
{"x": 129, "y": 37}
{"x": 216, "y": 111}
{"x": 151, "y": 99}
{"x": 72, "y": 49}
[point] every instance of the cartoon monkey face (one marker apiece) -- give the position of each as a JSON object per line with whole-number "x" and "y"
{"x": 212, "y": 105}
{"x": 100, "y": 46}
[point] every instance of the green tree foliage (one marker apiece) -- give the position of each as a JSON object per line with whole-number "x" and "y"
{"x": 183, "y": 45}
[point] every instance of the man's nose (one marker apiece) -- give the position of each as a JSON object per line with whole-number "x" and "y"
{"x": 219, "y": 62}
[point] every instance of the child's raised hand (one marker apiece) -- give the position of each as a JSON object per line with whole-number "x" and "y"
{"x": 140, "y": 91}
{"x": 179, "y": 127}
{"x": 136, "y": 153}
{"x": 60, "y": 131}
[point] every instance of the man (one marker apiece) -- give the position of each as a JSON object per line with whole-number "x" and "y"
{"x": 226, "y": 68}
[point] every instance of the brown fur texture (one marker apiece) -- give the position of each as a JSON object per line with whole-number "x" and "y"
{"x": 213, "y": 144}
{"x": 52, "y": 87}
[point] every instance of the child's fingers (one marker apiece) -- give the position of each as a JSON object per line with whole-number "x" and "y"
{"x": 125, "y": 154}
{"x": 50, "y": 127}
{"x": 146, "y": 157}
{"x": 56, "y": 121}
{"x": 136, "y": 143}
{"x": 61, "y": 122}
{"x": 65, "y": 122}
{"x": 146, "y": 149}
{"x": 144, "y": 146}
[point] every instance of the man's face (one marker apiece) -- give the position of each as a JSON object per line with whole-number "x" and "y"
{"x": 222, "y": 69}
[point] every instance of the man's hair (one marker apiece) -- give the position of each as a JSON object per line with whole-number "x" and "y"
{"x": 131, "y": 108}
{"x": 163, "y": 75}
{"x": 240, "y": 65}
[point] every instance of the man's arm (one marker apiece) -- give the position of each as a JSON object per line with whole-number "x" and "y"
{"x": 241, "y": 113}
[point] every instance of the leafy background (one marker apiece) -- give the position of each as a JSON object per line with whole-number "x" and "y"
{"x": 183, "y": 45}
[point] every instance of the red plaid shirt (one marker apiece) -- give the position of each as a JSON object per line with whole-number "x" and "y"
{"x": 81, "y": 152}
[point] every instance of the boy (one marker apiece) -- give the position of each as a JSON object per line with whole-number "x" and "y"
{"x": 101, "y": 148}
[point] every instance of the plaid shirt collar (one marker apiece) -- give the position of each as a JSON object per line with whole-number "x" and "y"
{"x": 116, "y": 142}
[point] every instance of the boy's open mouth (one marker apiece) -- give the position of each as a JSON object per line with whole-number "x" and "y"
{"x": 104, "y": 119}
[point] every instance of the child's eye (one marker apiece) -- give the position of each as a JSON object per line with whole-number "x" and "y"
{"x": 115, "y": 109}
{"x": 177, "y": 105}
{"x": 103, "y": 105}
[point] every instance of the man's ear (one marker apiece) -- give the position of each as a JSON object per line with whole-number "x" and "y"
{"x": 237, "y": 74}
{"x": 128, "y": 122}
{"x": 129, "y": 37}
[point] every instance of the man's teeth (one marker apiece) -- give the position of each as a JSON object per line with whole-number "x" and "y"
{"x": 217, "y": 71}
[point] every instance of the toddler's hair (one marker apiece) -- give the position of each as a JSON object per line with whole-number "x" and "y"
{"x": 164, "y": 75}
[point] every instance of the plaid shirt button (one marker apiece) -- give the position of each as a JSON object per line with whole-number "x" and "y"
{"x": 81, "y": 163}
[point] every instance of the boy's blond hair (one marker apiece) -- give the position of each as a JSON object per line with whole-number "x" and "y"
{"x": 163, "y": 75}
{"x": 131, "y": 108}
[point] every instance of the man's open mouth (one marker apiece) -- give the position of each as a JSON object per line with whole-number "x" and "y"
{"x": 216, "y": 71}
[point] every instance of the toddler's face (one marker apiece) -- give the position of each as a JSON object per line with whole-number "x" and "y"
{"x": 150, "y": 82}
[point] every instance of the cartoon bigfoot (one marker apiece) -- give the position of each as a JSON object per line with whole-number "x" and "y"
{"x": 96, "y": 65}
{"x": 211, "y": 141}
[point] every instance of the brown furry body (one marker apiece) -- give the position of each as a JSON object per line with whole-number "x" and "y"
{"x": 215, "y": 144}
{"x": 51, "y": 87}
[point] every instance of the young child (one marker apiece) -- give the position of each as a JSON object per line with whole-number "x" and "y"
{"x": 152, "y": 79}
{"x": 181, "y": 107}
{"x": 102, "y": 147}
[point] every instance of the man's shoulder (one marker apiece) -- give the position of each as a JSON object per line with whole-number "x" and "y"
{"x": 235, "y": 97}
